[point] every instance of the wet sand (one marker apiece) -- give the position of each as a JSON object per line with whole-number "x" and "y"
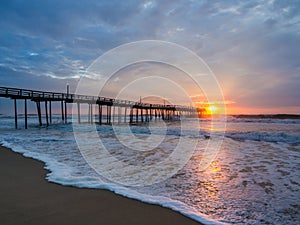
{"x": 27, "y": 198}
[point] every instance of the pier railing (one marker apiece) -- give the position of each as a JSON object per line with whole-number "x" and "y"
{"x": 17, "y": 93}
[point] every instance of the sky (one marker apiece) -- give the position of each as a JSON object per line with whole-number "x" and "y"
{"x": 252, "y": 47}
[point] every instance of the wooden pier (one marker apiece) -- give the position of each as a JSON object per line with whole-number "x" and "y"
{"x": 116, "y": 111}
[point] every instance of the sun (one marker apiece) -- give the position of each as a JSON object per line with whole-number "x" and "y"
{"x": 212, "y": 109}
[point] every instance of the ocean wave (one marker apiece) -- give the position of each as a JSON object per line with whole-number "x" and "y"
{"x": 265, "y": 136}
{"x": 262, "y": 119}
{"x": 219, "y": 194}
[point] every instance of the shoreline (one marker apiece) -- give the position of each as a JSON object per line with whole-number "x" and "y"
{"x": 27, "y": 197}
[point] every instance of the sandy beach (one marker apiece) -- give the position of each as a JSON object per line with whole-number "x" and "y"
{"x": 27, "y": 198}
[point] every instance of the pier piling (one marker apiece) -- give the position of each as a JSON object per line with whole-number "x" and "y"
{"x": 38, "y": 107}
{"x": 46, "y": 112}
{"x": 50, "y": 111}
{"x": 100, "y": 114}
{"x": 25, "y": 112}
{"x": 66, "y": 113}
{"x": 16, "y": 114}
{"x": 62, "y": 111}
{"x": 78, "y": 112}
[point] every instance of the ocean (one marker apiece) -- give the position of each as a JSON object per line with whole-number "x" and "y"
{"x": 254, "y": 178}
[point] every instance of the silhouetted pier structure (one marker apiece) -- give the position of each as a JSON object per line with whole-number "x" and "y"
{"x": 138, "y": 112}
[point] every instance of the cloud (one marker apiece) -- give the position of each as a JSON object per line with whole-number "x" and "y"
{"x": 245, "y": 43}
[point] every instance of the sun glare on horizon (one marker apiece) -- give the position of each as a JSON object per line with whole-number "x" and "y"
{"x": 212, "y": 109}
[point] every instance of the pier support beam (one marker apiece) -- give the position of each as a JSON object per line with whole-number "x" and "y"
{"x": 78, "y": 112}
{"x": 131, "y": 115}
{"x": 62, "y": 111}
{"x": 50, "y": 111}
{"x": 147, "y": 116}
{"x": 113, "y": 114}
{"x": 100, "y": 114}
{"x": 46, "y": 112}
{"x": 16, "y": 113}
{"x": 89, "y": 113}
{"x": 125, "y": 114}
{"x": 109, "y": 116}
{"x": 38, "y": 107}
{"x": 119, "y": 114}
{"x": 66, "y": 113}
{"x": 92, "y": 119}
{"x": 107, "y": 112}
{"x": 142, "y": 116}
{"x": 25, "y": 112}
